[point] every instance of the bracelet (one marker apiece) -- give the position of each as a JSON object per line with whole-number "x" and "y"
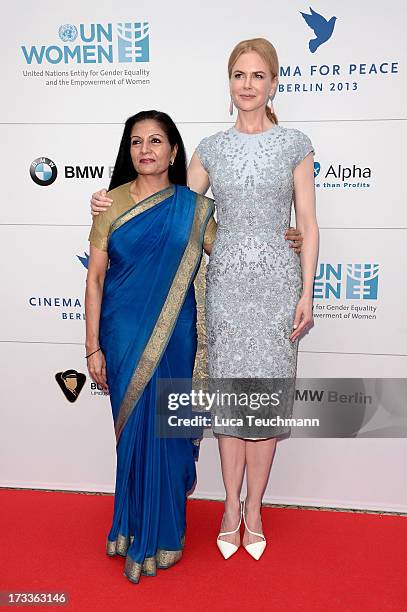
{"x": 86, "y": 356}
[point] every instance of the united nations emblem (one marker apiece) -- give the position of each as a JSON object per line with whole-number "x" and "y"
{"x": 67, "y": 32}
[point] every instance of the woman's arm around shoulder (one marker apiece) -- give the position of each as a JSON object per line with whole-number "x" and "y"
{"x": 99, "y": 202}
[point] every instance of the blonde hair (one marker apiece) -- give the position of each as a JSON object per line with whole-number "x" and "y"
{"x": 267, "y": 52}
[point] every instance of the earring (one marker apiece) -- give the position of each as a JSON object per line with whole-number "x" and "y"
{"x": 171, "y": 162}
{"x": 270, "y": 99}
{"x": 231, "y": 106}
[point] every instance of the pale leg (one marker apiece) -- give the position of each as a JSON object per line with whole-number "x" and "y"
{"x": 259, "y": 457}
{"x": 233, "y": 459}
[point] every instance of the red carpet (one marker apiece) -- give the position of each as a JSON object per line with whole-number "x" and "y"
{"x": 315, "y": 561}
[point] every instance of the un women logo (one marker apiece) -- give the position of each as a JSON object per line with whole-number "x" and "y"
{"x": 68, "y": 32}
{"x": 134, "y": 41}
{"x": 362, "y": 281}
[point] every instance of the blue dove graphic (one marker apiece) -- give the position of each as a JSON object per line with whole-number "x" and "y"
{"x": 322, "y": 28}
{"x": 84, "y": 260}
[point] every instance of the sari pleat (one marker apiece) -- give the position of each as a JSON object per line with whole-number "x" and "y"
{"x": 153, "y": 475}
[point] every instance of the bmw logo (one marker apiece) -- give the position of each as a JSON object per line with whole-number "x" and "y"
{"x": 43, "y": 171}
{"x": 67, "y": 32}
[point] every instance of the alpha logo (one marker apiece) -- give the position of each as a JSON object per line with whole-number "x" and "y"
{"x": 321, "y": 27}
{"x": 344, "y": 173}
{"x": 71, "y": 383}
{"x": 43, "y": 171}
{"x": 338, "y": 175}
{"x": 355, "y": 281}
{"x": 94, "y": 43}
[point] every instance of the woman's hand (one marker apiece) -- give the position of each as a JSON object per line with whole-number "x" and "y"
{"x": 303, "y": 319}
{"x": 99, "y": 202}
{"x": 295, "y": 237}
{"x": 97, "y": 369}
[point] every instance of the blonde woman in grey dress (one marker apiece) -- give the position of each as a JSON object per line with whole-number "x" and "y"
{"x": 259, "y": 291}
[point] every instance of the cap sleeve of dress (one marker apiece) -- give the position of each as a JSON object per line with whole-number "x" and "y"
{"x": 207, "y": 151}
{"x": 100, "y": 231}
{"x": 203, "y": 152}
{"x": 301, "y": 147}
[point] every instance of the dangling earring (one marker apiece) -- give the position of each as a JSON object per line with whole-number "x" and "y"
{"x": 231, "y": 106}
{"x": 270, "y": 99}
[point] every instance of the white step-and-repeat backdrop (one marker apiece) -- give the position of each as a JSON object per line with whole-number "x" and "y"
{"x": 72, "y": 74}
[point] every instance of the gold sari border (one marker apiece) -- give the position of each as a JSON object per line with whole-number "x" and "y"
{"x": 161, "y": 334}
{"x": 164, "y": 559}
{"x": 119, "y": 546}
{"x": 141, "y": 207}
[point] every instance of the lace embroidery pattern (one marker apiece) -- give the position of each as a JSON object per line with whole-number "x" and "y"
{"x": 253, "y": 277}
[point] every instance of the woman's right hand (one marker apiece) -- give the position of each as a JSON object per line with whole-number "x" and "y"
{"x": 97, "y": 369}
{"x": 99, "y": 202}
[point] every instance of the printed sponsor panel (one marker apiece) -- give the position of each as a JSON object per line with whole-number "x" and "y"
{"x": 358, "y": 301}
{"x": 337, "y": 61}
{"x": 45, "y": 284}
{"x": 355, "y": 168}
{"x": 46, "y": 438}
{"x": 53, "y": 176}
{"x": 344, "y": 473}
{"x": 329, "y": 364}
{"x": 48, "y": 441}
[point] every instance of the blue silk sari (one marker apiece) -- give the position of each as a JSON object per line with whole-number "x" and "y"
{"x": 147, "y": 332}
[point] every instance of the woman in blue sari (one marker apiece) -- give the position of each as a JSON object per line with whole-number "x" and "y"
{"x": 141, "y": 326}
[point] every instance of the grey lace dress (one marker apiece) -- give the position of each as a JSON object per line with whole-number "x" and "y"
{"x": 253, "y": 278}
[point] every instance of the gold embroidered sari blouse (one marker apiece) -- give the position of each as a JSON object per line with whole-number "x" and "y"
{"x": 122, "y": 202}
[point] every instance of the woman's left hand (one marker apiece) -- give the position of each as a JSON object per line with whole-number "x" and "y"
{"x": 295, "y": 237}
{"x": 303, "y": 319}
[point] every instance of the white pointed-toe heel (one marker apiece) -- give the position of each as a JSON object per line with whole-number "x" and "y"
{"x": 227, "y": 548}
{"x": 256, "y": 549}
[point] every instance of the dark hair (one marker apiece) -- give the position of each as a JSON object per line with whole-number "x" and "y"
{"x": 124, "y": 171}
